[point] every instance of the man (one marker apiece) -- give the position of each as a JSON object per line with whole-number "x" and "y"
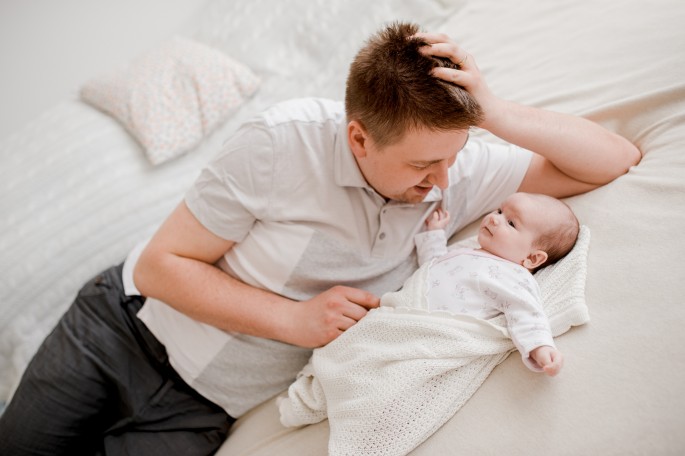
{"x": 286, "y": 240}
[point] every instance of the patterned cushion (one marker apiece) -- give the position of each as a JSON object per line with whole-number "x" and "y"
{"x": 173, "y": 96}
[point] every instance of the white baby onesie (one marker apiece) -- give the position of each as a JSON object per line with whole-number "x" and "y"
{"x": 477, "y": 283}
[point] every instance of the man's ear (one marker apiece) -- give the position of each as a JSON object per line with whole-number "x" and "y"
{"x": 357, "y": 138}
{"x": 535, "y": 259}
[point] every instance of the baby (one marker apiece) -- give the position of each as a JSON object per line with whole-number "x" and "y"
{"x": 430, "y": 345}
{"x": 527, "y": 232}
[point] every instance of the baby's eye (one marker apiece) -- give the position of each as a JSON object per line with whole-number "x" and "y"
{"x": 499, "y": 211}
{"x": 511, "y": 224}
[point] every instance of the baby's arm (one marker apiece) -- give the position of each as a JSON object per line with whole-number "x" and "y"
{"x": 519, "y": 296}
{"x": 432, "y": 243}
{"x": 548, "y": 358}
{"x": 438, "y": 220}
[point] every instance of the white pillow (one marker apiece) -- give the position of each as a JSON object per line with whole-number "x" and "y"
{"x": 173, "y": 96}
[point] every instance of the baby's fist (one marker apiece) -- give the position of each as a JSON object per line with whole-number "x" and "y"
{"x": 438, "y": 220}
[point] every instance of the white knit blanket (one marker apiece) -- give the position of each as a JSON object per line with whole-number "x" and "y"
{"x": 395, "y": 377}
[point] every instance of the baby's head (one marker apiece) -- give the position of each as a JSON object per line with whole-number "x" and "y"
{"x": 529, "y": 229}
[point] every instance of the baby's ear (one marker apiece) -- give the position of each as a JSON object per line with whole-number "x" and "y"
{"x": 535, "y": 259}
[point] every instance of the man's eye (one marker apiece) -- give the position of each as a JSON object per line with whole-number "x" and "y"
{"x": 420, "y": 167}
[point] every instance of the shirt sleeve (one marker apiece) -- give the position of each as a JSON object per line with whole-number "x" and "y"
{"x": 526, "y": 320}
{"x": 430, "y": 244}
{"x": 232, "y": 191}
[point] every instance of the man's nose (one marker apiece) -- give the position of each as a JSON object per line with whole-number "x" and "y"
{"x": 440, "y": 175}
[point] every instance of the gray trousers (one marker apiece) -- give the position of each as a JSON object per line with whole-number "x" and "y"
{"x": 102, "y": 384}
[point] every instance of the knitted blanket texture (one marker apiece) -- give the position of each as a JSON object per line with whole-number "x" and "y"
{"x": 390, "y": 381}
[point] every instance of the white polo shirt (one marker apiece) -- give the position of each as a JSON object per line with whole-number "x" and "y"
{"x": 286, "y": 188}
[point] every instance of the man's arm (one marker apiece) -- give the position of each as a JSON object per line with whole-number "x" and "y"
{"x": 572, "y": 155}
{"x": 177, "y": 267}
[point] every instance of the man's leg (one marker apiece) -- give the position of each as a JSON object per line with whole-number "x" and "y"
{"x": 168, "y": 417}
{"x": 99, "y": 380}
{"x": 60, "y": 405}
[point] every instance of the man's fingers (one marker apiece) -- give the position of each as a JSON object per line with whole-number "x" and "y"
{"x": 432, "y": 38}
{"x": 454, "y": 76}
{"x": 345, "y": 306}
{"x": 361, "y": 297}
{"x": 448, "y": 50}
{"x": 347, "y": 322}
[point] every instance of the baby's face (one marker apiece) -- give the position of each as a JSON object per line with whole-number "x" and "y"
{"x": 509, "y": 232}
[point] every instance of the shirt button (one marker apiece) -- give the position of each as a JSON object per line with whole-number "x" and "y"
{"x": 381, "y": 236}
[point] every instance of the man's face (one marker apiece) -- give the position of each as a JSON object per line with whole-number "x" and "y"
{"x": 407, "y": 170}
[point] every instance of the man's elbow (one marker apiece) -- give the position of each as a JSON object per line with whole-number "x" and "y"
{"x": 632, "y": 155}
{"x": 629, "y": 156}
{"x": 143, "y": 272}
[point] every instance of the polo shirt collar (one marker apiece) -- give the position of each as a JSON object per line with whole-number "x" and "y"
{"x": 347, "y": 172}
{"x": 434, "y": 195}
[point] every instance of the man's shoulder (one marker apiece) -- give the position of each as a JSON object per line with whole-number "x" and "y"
{"x": 313, "y": 110}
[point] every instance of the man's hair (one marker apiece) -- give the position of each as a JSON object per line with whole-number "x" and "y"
{"x": 390, "y": 89}
{"x": 563, "y": 233}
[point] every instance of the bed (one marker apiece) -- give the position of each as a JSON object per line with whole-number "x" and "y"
{"x": 78, "y": 190}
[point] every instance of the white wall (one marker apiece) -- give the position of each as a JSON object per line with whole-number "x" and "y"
{"x": 48, "y": 48}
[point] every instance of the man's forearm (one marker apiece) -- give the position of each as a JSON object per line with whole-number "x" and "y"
{"x": 207, "y": 294}
{"x": 579, "y": 148}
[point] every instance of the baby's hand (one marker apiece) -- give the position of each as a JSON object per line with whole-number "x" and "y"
{"x": 438, "y": 220}
{"x": 549, "y": 359}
